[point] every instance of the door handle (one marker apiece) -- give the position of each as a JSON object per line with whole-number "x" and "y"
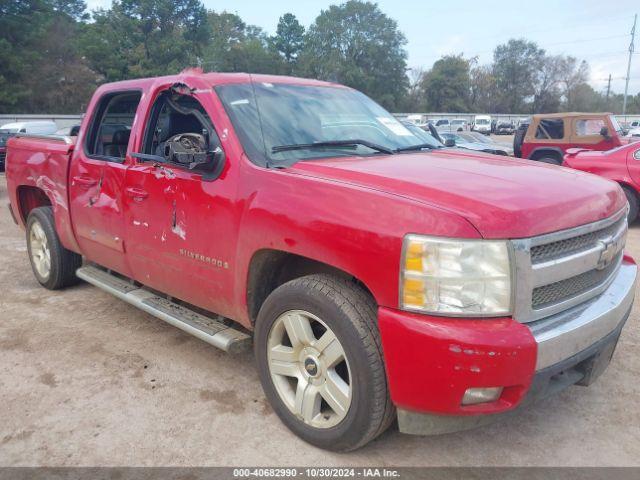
{"x": 85, "y": 182}
{"x": 136, "y": 193}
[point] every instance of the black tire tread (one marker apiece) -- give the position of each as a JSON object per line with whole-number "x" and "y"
{"x": 64, "y": 263}
{"x": 361, "y": 309}
{"x": 365, "y": 311}
{"x": 634, "y": 203}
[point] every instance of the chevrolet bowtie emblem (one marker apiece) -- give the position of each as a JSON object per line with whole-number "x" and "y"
{"x": 609, "y": 251}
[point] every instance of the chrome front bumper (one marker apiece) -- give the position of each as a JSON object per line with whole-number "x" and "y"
{"x": 565, "y": 334}
{"x": 574, "y": 347}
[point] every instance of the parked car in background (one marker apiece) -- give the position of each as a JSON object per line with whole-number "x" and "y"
{"x": 549, "y": 136}
{"x": 487, "y": 140}
{"x": 373, "y": 280}
{"x": 621, "y": 164}
{"x": 462, "y": 140}
{"x": 40, "y": 127}
{"x": 9, "y": 130}
{"x": 481, "y": 124}
{"x": 443, "y": 124}
{"x": 633, "y": 133}
{"x": 70, "y": 131}
{"x": 505, "y": 128}
{"x": 458, "y": 125}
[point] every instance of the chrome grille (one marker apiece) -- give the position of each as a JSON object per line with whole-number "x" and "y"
{"x": 570, "y": 287}
{"x": 3, "y": 157}
{"x": 569, "y": 246}
{"x": 557, "y": 271}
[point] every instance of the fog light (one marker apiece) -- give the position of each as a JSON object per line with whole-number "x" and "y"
{"x": 481, "y": 395}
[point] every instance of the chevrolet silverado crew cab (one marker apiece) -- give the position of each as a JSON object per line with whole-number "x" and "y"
{"x": 377, "y": 276}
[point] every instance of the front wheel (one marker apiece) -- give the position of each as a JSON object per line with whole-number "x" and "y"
{"x": 320, "y": 362}
{"x": 53, "y": 265}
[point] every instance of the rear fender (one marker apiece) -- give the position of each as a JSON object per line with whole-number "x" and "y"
{"x": 37, "y": 169}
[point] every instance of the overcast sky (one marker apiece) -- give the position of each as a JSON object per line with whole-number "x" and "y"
{"x": 594, "y": 30}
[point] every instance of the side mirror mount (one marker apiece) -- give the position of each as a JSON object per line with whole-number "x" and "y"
{"x": 604, "y": 131}
{"x": 215, "y": 164}
{"x": 449, "y": 142}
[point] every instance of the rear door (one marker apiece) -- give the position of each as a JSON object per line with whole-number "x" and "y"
{"x": 96, "y": 180}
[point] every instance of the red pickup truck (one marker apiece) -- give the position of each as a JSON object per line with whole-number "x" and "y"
{"x": 376, "y": 275}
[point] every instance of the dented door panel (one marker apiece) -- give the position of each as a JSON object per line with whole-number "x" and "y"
{"x": 95, "y": 188}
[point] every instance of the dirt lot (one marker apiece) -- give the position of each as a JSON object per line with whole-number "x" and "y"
{"x": 87, "y": 380}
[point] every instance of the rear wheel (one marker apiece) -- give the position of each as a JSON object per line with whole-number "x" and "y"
{"x": 53, "y": 265}
{"x": 320, "y": 362}
{"x": 634, "y": 204}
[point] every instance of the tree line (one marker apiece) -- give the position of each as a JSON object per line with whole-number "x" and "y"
{"x": 53, "y": 54}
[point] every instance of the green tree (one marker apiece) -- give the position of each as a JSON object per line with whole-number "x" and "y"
{"x": 139, "y": 38}
{"x": 483, "y": 91}
{"x": 358, "y": 45}
{"x": 515, "y": 67}
{"x": 40, "y": 67}
{"x": 235, "y": 46}
{"x": 289, "y": 39}
{"x": 18, "y": 48}
{"x": 446, "y": 86}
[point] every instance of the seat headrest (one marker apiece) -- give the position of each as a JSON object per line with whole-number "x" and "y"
{"x": 121, "y": 137}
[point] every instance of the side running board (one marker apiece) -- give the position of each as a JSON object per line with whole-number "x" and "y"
{"x": 210, "y": 330}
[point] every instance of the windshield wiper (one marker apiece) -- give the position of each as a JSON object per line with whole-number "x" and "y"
{"x": 419, "y": 146}
{"x": 332, "y": 143}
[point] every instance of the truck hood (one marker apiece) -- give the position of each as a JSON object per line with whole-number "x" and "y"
{"x": 501, "y": 197}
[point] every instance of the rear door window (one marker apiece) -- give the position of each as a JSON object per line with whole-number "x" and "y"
{"x": 550, "y": 129}
{"x": 108, "y": 135}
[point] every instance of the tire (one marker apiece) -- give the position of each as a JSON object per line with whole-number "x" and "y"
{"x": 62, "y": 263}
{"x": 634, "y": 205}
{"x": 350, "y": 314}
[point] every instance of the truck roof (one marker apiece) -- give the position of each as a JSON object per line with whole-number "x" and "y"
{"x": 216, "y": 78}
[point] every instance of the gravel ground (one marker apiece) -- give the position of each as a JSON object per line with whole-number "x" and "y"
{"x": 86, "y": 379}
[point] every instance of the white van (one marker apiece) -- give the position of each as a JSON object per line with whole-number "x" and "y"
{"x": 482, "y": 124}
{"x": 44, "y": 127}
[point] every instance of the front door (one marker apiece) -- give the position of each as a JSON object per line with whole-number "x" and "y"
{"x": 96, "y": 180}
{"x": 180, "y": 224}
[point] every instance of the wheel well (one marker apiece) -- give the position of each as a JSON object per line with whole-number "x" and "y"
{"x": 271, "y": 268}
{"x": 546, "y": 152}
{"x": 626, "y": 186}
{"x": 30, "y": 198}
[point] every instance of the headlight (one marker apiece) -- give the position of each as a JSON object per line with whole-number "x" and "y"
{"x": 455, "y": 277}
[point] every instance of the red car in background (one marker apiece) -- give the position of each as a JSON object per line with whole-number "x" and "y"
{"x": 621, "y": 164}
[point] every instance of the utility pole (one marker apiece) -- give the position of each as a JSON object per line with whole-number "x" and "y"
{"x": 631, "y": 48}
{"x": 608, "y": 90}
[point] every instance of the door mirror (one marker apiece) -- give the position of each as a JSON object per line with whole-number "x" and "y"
{"x": 604, "y": 131}
{"x": 215, "y": 164}
{"x": 449, "y": 142}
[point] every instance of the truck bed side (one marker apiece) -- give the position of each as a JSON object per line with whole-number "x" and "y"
{"x": 37, "y": 170}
